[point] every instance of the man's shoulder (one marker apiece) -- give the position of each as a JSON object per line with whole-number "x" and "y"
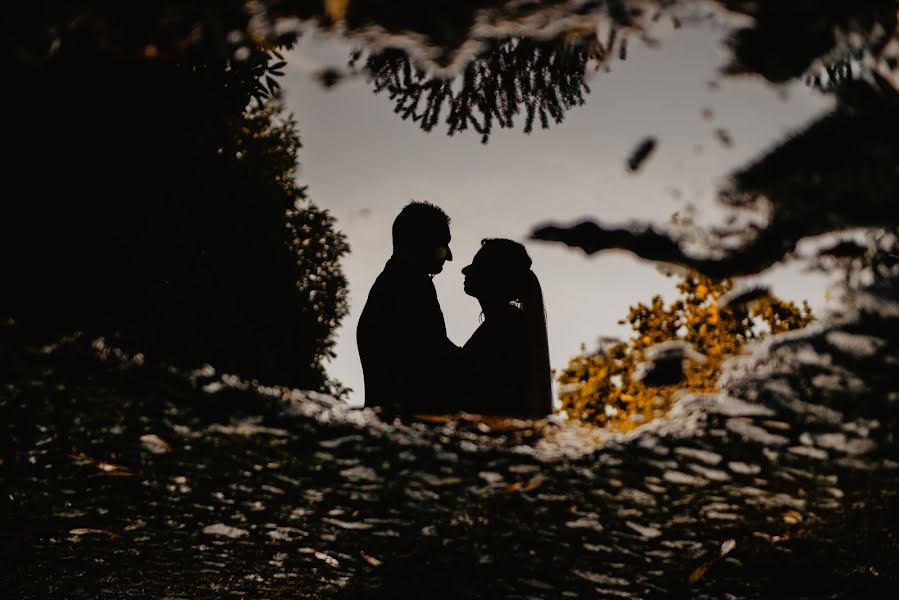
{"x": 396, "y": 289}
{"x": 393, "y": 280}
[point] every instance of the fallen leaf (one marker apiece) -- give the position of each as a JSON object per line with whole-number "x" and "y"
{"x": 792, "y": 517}
{"x": 113, "y": 469}
{"x": 698, "y": 573}
{"x": 435, "y": 418}
{"x": 726, "y": 547}
{"x": 105, "y": 467}
{"x": 371, "y": 560}
{"x": 513, "y": 487}
{"x": 533, "y": 484}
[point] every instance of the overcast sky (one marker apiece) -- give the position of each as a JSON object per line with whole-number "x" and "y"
{"x": 363, "y": 163}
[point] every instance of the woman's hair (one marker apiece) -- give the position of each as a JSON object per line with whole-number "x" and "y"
{"x": 515, "y": 280}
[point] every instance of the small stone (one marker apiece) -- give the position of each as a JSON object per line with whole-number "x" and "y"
{"x": 742, "y": 468}
{"x": 155, "y": 444}
{"x": 647, "y": 532}
{"x": 754, "y": 433}
{"x": 809, "y": 451}
{"x": 359, "y": 473}
{"x": 601, "y": 579}
{"x": 347, "y": 524}
{"x": 684, "y": 479}
{"x": 225, "y": 530}
{"x": 585, "y": 524}
{"x": 710, "y": 458}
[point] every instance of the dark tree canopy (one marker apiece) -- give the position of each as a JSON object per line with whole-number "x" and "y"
{"x": 835, "y": 174}
{"x": 540, "y": 72}
{"x": 154, "y": 203}
{"x": 120, "y": 204}
{"x": 542, "y": 78}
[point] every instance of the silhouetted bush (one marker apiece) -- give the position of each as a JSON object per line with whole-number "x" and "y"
{"x": 154, "y": 205}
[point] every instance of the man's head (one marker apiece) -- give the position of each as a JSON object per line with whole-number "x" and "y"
{"x": 421, "y": 236}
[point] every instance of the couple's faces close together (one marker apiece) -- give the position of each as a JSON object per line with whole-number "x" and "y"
{"x": 439, "y": 253}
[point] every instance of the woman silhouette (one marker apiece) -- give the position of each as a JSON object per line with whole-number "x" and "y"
{"x": 506, "y": 360}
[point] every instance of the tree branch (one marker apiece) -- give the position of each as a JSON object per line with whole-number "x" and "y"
{"x": 768, "y": 248}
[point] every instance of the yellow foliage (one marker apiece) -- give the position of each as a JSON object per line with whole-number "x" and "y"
{"x": 336, "y": 9}
{"x": 601, "y": 388}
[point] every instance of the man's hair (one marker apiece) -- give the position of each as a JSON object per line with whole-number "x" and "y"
{"x": 417, "y": 224}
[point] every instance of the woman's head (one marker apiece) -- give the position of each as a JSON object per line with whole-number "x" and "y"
{"x": 499, "y": 271}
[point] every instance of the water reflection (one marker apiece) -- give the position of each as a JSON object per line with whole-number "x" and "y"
{"x": 524, "y": 78}
{"x": 125, "y": 476}
{"x": 300, "y": 491}
{"x": 496, "y": 63}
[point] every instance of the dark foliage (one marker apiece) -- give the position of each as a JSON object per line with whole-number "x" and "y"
{"x": 445, "y": 29}
{"x": 541, "y": 78}
{"x": 123, "y": 216}
{"x": 485, "y": 62}
{"x": 152, "y": 204}
{"x": 787, "y": 37}
{"x": 641, "y": 153}
{"x": 447, "y": 33}
{"x": 837, "y": 173}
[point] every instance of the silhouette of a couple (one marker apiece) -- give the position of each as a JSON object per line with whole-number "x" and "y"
{"x": 409, "y": 364}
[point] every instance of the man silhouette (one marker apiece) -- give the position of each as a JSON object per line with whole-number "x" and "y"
{"x": 408, "y": 363}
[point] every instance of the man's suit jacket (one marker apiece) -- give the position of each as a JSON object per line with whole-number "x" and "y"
{"x": 409, "y": 364}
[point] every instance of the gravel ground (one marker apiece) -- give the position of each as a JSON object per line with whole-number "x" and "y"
{"x": 124, "y": 479}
